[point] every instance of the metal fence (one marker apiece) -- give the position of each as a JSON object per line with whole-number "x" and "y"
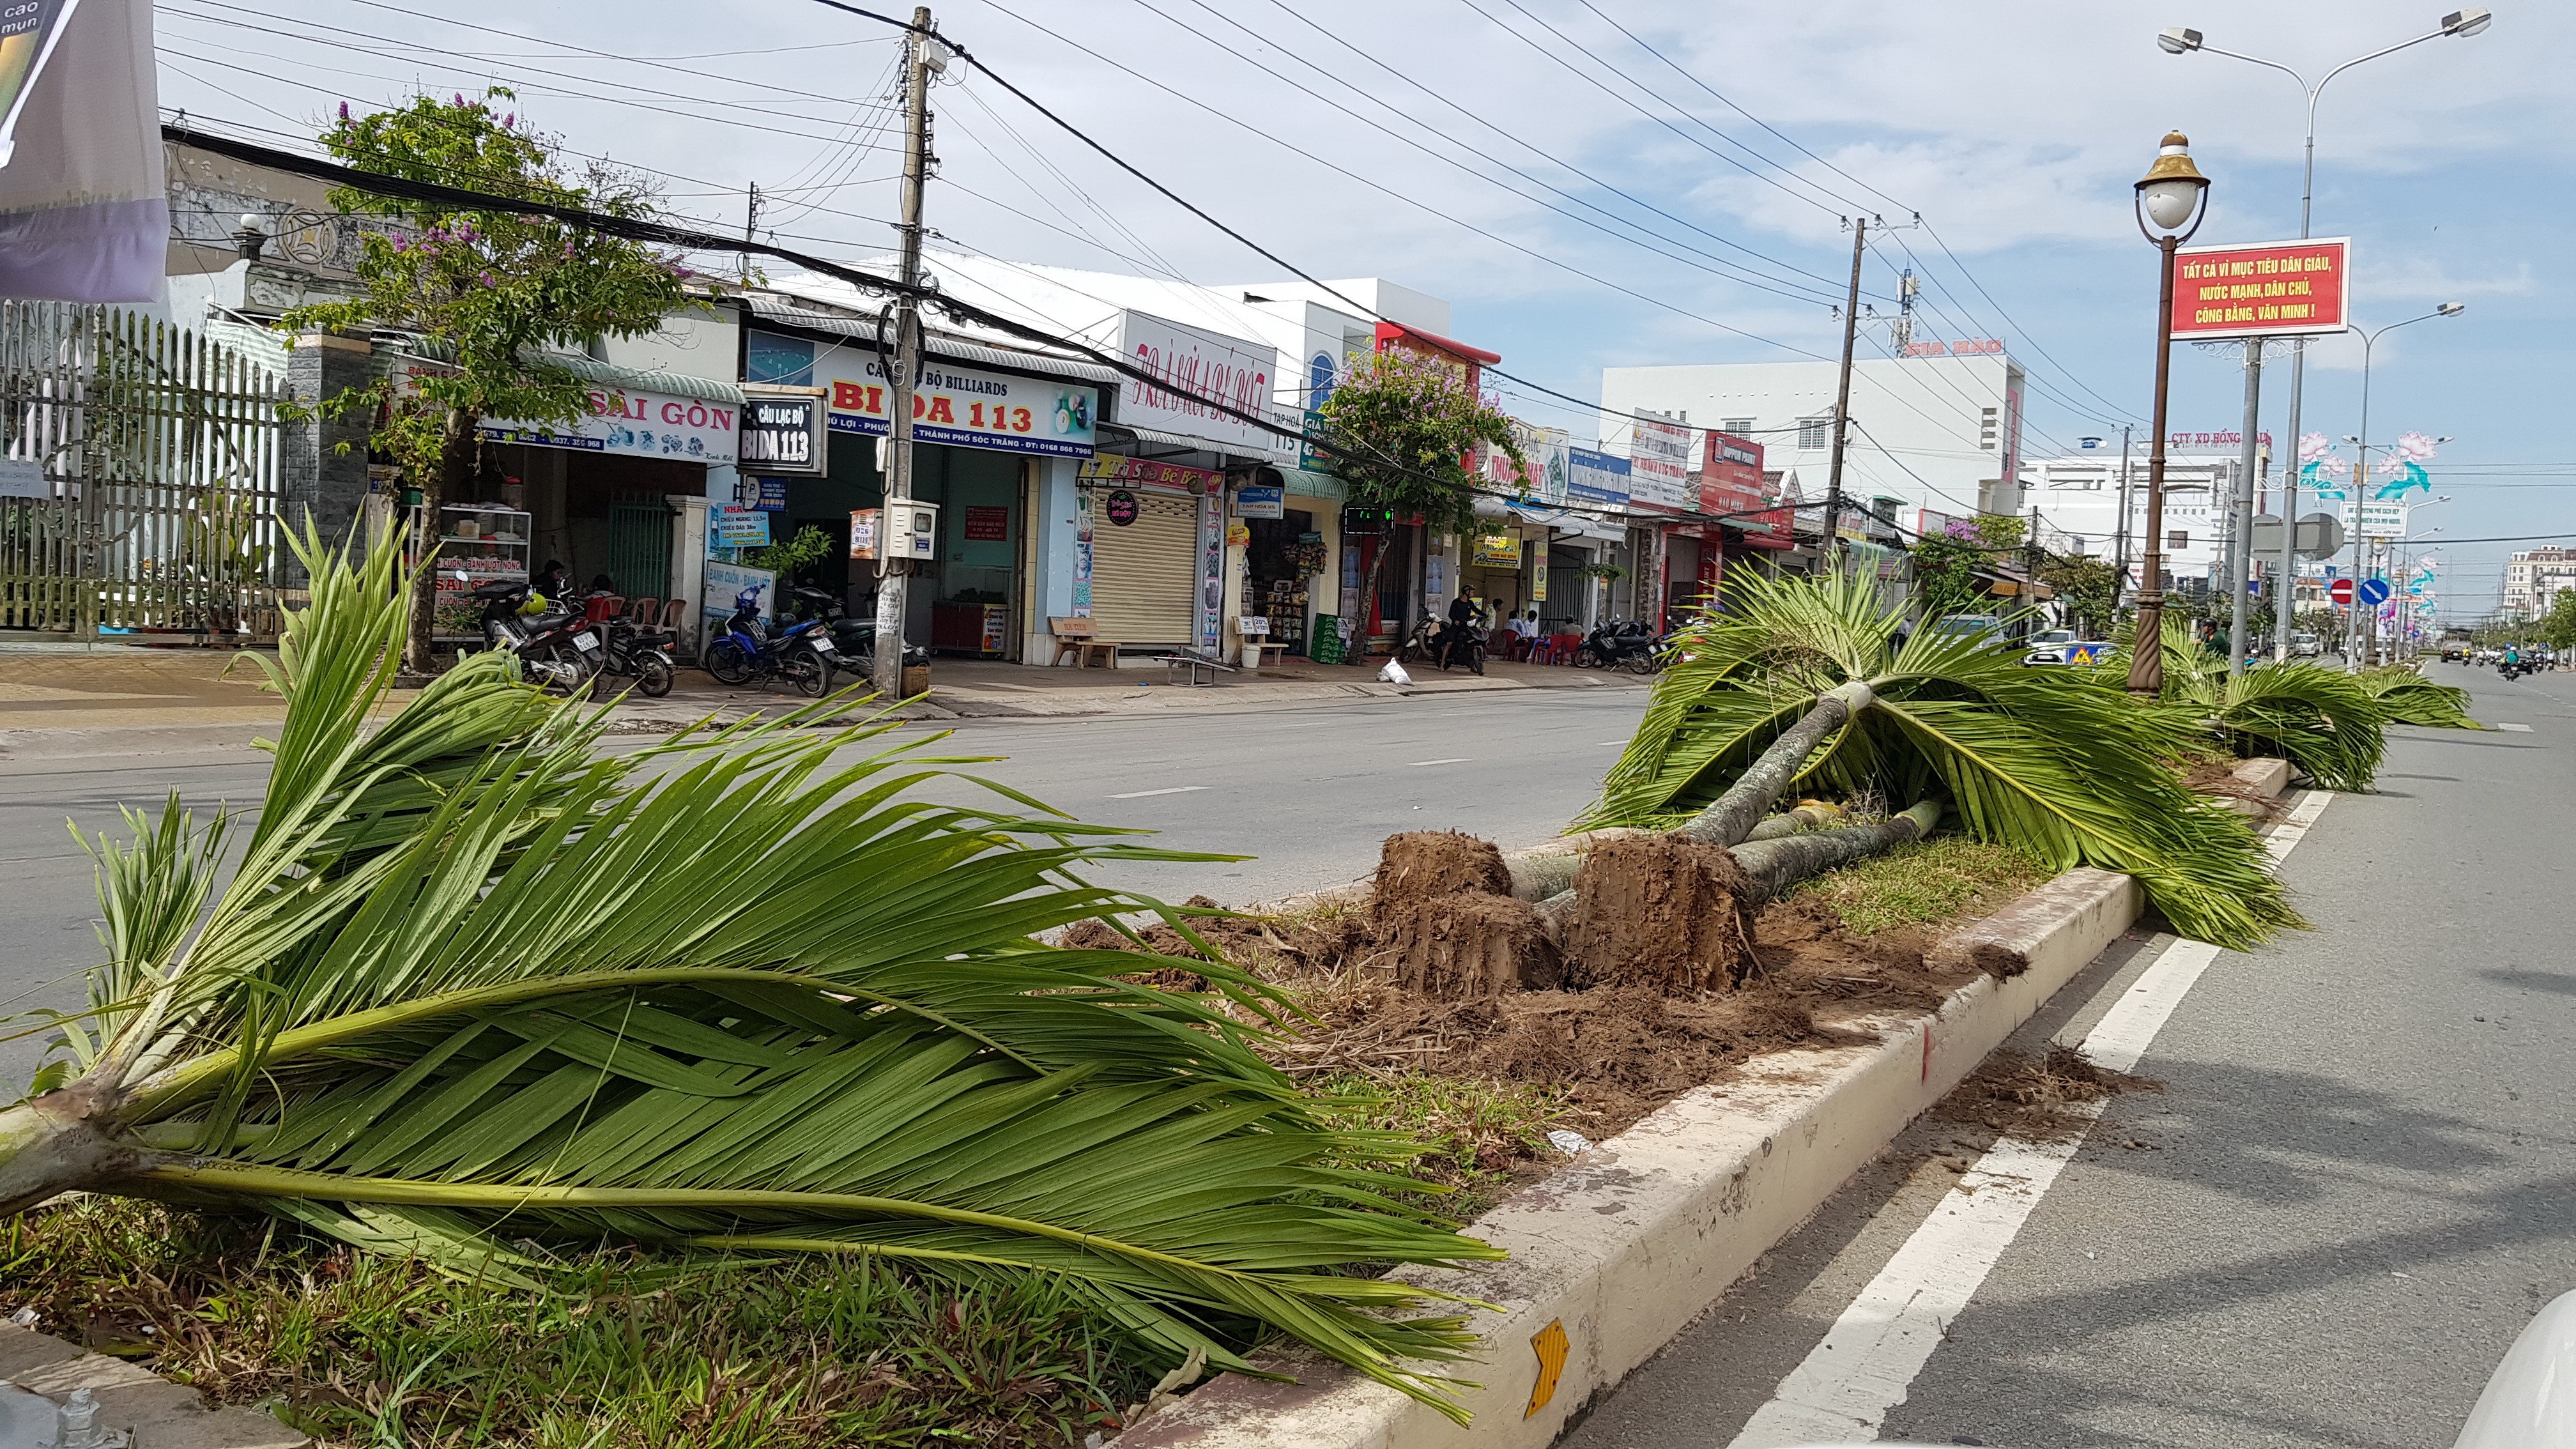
{"x": 138, "y": 477}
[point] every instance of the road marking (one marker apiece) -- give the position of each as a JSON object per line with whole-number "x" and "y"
{"x": 1869, "y": 1359}
{"x": 1453, "y": 760}
{"x": 1174, "y": 790}
{"x": 1596, "y": 744}
{"x": 2520, "y": 729}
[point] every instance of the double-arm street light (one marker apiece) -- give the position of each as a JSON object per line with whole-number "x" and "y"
{"x": 2182, "y": 41}
{"x": 2169, "y": 199}
{"x": 2361, "y": 467}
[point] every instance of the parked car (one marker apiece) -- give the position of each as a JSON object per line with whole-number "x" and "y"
{"x": 1967, "y": 625}
{"x": 2304, "y": 645}
{"x": 2064, "y": 646}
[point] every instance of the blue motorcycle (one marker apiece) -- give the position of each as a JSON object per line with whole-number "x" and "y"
{"x": 748, "y": 648}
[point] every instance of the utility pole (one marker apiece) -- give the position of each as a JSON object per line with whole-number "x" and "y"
{"x": 1842, "y": 404}
{"x": 750, "y": 223}
{"x": 2240, "y": 511}
{"x": 926, "y": 55}
{"x": 2120, "y": 545}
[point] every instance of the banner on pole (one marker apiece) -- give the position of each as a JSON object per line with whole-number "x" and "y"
{"x": 2268, "y": 289}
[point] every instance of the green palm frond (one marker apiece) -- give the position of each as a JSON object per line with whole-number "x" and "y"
{"x": 473, "y": 984}
{"x": 2406, "y": 697}
{"x": 2054, "y": 761}
{"x": 2319, "y": 719}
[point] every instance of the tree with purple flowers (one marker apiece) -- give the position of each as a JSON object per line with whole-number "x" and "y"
{"x": 481, "y": 293}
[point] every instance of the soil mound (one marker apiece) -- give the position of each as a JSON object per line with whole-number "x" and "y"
{"x": 1659, "y": 912}
{"x": 1424, "y": 864}
{"x": 1465, "y": 946}
{"x": 2035, "y": 1097}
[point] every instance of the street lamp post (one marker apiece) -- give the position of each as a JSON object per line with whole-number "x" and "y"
{"x": 2169, "y": 195}
{"x": 2183, "y": 41}
{"x": 2361, "y": 471}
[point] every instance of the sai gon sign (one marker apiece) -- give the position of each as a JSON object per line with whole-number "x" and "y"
{"x": 636, "y": 424}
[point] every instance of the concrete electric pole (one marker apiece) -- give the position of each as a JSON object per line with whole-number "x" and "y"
{"x": 927, "y": 56}
{"x": 1832, "y": 548}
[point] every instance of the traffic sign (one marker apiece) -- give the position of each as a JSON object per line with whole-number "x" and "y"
{"x": 2321, "y": 535}
{"x": 2374, "y": 592}
{"x": 2341, "y": 593}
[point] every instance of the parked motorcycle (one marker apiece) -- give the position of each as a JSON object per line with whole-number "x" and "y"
{"x": 854, "y": 637}
{"x": 746, "y": 648}
{"x": 557, "y": 650}
{"x": 634, "y": 652}
{"x": 1610, "y": 645}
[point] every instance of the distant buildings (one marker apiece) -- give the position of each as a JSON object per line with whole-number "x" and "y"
{"x": 2079, "y": 504}
{"x": 2533, "y": 577}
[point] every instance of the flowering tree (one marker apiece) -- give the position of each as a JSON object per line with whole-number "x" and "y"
{"x": 481, "y": 289}
{"x": 1399, "y": 428}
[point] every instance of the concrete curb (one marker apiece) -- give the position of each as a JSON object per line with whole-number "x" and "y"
{"x": 158, "y": 1414}
{"x": 1621, "y": 1249}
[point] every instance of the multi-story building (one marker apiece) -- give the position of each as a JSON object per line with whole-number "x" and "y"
{"x": 1942, "y": 433}
{"x": 2533, "y": 577}
{"x": 2079, "y": 503}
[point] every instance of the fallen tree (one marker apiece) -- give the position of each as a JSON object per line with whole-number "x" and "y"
{"x": 472, "y": 990}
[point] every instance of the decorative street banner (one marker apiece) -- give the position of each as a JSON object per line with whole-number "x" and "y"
{"x": 83, "y": 217}
{"x": 966, "y": 408}
{"x": 1659, "y": 463}
{"x": 2270, "y": 289}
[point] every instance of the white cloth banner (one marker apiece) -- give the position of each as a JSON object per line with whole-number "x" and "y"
{"x": 82, "y": 215}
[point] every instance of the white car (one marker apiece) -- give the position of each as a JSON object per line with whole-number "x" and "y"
{"x": 2063, "y": 646}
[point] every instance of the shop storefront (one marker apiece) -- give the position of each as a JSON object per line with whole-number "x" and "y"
{"x": 1284, "y": 557}
{"x": 1152, "y": 539}
{"x": 986, "y": 425}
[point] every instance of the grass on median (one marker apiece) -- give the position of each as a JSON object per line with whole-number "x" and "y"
{"x": 1923, "y": 883}
{"x": 356, "y": 1349}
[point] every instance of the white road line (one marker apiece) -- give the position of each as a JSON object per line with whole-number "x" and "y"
{"x": 1869, "y": 1359}
{"x": 2520, "y": 729}
{"x": 1174, "y": 790}
{"x": 1453, "y": 760}
{"x": 1596, "y": 744}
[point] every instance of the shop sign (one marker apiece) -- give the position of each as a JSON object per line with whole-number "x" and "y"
{"x": 1211, "y": 572}
{"x": 1082, "y": 516}
{"x": 1659, "y": 464}
{"x": 738, "y": 527}
{"x": 633, "y": 423}
{"x": 1771, "y": 528}
{"x": 1538, "y": 585}
{"x": 769, "y": 494}
{"x": 863, "y": 531}
{"x": 1435, "y": 575}
{"x": 987, "y": 524}
{"x": 1256, "y": 500}
{"x": 1309, "y": 457}
{"x": 1110, "y": 467}
{"x": 1542, "y": 475}
{"x": 966, "y": 408}
{"x": 784, "y": 433}
{"x": 1730, "y": 475}
{"x": 1121, "y": 507}
{"x": 1237, "y": 534}
{"x": 1496, "y": 550}
{"x": 2269, "y": 289}
{"x": 1193, "y": 368}
{"x": 725, "y": 583}
{"x": 1593, "y": 477}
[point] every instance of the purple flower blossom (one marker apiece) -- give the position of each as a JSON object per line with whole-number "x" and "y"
{"x": 485, "y": 279}
{"x": 509, "y": 120}
{"x": 460, "y": 100}
{"x": 401, "y": 243}
{"x": 344, "y": 110}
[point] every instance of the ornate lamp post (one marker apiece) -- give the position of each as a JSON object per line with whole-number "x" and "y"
{"x": 2170, "y": 195}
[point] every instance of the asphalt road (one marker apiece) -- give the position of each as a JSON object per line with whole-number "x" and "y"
{"x": 1307, "y": 791}
{"x": 2357, "y": 1185}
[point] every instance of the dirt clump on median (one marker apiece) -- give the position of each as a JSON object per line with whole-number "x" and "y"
{"x": 1662, "y": 913}
{"x": 1421, "y": 865}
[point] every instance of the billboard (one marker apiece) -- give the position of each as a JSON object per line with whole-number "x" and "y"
{"x": 1659, "y": 464}
{"x": 1193, "y": 364}
{"x": 2268, "y": 289}
{"x": 964, "y": 407}
{"x": 1730, "y": 475}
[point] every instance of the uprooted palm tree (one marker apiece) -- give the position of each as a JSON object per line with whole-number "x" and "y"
{"x": 2407, "y": 697}
{"x": 1800, "y": 683}
{"x": 2323, "y": 721}
{"x": 471, "y": 985}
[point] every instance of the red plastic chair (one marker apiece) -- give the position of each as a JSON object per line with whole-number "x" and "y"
{"x": 603, "y": 608}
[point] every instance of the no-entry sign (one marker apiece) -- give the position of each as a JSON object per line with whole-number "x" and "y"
{"x": 2269, "y": 289}
{"x": 2341, "y": 593}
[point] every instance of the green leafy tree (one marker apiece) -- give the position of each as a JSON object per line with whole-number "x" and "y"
{"x": 1400, "y": 429}
{"x": 2558, "y": 626}
{"x": 483, "y": 290}
{"x": 2089, "y": 587}
{"x": 1945, "y": 568}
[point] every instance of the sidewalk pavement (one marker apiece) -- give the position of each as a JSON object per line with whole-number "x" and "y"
{"x": 152, "y": 700}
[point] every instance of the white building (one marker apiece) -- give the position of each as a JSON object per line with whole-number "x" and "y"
{"x": 1942, "y": 433}
{"x": 2533, "y": 577}
{"x": 2078, "y": 499}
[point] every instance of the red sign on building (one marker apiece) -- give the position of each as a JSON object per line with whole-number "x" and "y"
{"x": 2270, "y": 289}
{"x": 1730, "y": 475}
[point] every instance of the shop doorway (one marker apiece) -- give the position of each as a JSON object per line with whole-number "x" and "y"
{"x": 1283, "y": 555}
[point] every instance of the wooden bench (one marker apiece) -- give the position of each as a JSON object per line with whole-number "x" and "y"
{"x": 1075, "y": 637}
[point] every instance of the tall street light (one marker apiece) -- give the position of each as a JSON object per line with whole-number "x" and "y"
{"x": 2182, "y": 41}
{"x": 2169, "y": 195}
{"x": 2361, "y": 470}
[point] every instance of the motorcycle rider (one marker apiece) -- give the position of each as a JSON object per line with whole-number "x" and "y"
{"x": 1450, "y": 644}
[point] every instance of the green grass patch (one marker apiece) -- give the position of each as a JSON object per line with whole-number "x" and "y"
{"x": 1478, "y": 1137}
{"x": 1924, "y": 883}
{"x": 357, "y": 1349}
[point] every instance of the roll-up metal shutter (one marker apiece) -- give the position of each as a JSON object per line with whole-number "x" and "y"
{"x": 1145, "y": 574}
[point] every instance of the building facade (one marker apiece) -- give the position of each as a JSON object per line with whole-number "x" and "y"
{"x": 2080, "y": 502}
{"x": 1942, "y": 433}
{"x": 2533, "y": 577}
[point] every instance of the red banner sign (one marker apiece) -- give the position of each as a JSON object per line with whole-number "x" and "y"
{"x": 2271, "y": 289}
{"x": 1730, "y": 474}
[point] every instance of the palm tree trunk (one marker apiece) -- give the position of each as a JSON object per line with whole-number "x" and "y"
{"x": 1772, "y": 866}
{"x": 1734, "y": 814}
{"x": 455, "y": 465}
{"x": 48, "y": 1147}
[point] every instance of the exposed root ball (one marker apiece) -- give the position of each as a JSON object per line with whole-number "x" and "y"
{"x": 1660, "y": 912}
{"x": 1466, "y": 946}
{"x": 1424, "y": 864}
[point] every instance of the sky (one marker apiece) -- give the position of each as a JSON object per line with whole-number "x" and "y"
{"x": 1601, "y": 183}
